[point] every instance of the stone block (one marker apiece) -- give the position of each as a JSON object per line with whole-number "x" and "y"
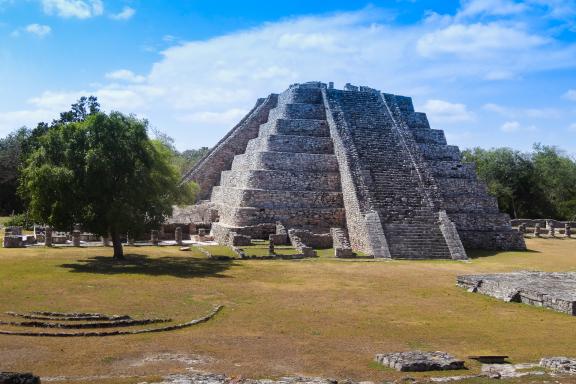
{"x": 13, "y": 241}
{"x": 418, "y": 361}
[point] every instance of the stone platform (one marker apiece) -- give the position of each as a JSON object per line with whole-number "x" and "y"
{"x": 418, "y": 361}
{"x": 554, "y": 290}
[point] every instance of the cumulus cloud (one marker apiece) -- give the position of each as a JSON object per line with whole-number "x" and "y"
{"x": 514, "y": 113}
{"x": 477, "y": 39}
{"x": 125, "y": 75}
{"x": 515, "y": 126}
{"x": 125, "y": 14}
{"x": 81, "y": 9}
{"x": 510, "y": 126}
{"x": 212, "y": 82}
{"x": 440, "y": 111}
{"x": 38, "y": 30}
{"x": 471, "y": 8}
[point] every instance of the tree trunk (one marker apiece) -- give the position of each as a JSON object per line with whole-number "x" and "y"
{"x": 117, "y": 244}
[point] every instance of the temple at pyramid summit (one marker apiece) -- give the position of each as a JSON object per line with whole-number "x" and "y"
{"x": 352, "y": 169}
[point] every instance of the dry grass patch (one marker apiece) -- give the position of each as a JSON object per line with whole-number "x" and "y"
{"x": 319, "y": 316}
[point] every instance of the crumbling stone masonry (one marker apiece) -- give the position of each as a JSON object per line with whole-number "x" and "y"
{"x": 554, "y": 290}
{"x": 315, "y": 158}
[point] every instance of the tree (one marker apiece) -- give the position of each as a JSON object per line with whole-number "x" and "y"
{"x": 103, "y": 172}
{"x": 510, "y": 176}
{"x": 557, "y": 175}
{"x": 11, "y": 148}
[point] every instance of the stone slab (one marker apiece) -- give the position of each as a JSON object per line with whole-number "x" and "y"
{"x": 418, "y": 361}
{"x": 554, "y": 290}
{"x": 559, "y": 364}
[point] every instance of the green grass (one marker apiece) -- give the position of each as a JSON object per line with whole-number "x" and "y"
{"x": 317, "y": 317}
{"x": 220, "y": 250}
{"x": 259, "y": 251}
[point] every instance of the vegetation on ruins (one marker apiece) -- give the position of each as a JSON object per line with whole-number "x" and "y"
{"x": 101, "y": 171}
{"x": 540, "y": 184}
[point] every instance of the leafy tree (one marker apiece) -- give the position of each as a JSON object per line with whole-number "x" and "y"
{"x": 11, "y": 148}
{"x": 537, "y": 184}
{"x": 557, "y": 175}
{"x": 103, "y": 172}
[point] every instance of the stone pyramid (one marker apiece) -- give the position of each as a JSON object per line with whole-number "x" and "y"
{"x": 315, "y": 158}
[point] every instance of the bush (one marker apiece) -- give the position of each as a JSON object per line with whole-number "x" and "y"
{"x": 21, "y": 220}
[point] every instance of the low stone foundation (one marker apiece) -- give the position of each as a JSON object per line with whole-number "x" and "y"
{"x": 559, "y": 364}
{"x": 554, "y": 290}
{"x": 418, "y": 361}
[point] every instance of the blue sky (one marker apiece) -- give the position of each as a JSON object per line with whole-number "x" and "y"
{"x": 488, "y": 72}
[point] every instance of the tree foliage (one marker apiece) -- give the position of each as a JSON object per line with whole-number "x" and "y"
{"x": 11, "y": 148}
{"x": 528, "y": 185}
{"x": 103, "y": 172}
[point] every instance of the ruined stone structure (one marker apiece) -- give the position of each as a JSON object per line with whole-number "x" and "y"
{"x": 554, "y": 290}
{"x": 315, "y": 158}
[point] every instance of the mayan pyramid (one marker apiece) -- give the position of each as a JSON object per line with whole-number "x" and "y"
{"x": 317, "y": 158}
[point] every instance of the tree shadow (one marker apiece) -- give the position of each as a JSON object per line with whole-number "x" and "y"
{"x": 183, "y": 267}
{"x": 478, "y": 253}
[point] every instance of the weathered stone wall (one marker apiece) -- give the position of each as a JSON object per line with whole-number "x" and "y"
{"x": 207, "y": 171}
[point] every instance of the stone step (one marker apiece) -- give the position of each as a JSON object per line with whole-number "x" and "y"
{"x": 304, "y": 162}
{"x": 471, "y": 203}
{"x": 299, "y": 111}
{"x": 291, "y": 143}
{"x": 480, "y": 221}
{"x": 439, "y": 152}
{"x": 455, "y": 187}
{"x": 452, "y": 169}
{"x": 296, "y": 127}
{"x": 301, "y": 95}
{"x": 268, "y": 198}
{"x": 432, "y": 136}
{"x": 293, "y": 217}
{"x": 413, "y": 241}
{"x": 282, "y": 180}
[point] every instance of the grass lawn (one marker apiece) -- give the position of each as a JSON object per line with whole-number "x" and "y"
{"x": 319, "y": 317}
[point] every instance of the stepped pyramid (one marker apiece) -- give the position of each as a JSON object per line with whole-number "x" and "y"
{"x": 316, "y": 158}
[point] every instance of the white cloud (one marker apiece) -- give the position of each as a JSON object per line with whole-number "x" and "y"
{"x": 515, "y": 126}
{"x": 510, "y": 126}
{"x": 125, "y": 14}
{"x": 514, "y": 113}
{"x": 471, "y": 8}
{"x": 477, "y": 39}
{"x": 440, "y": 111}
{"x": 570, "y": 94}
{"x": 81, "y": 9}
{"x": 38, "y": 30}
{"x": 230, "y": 117}
{"x": 125, "y": 75}
{"x": 212, "y": 82}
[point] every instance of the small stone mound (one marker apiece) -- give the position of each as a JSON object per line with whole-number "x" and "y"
{"x": 559, "y": 364}
{"x": 18, "y": 378}
{"x": 418, "y": 361}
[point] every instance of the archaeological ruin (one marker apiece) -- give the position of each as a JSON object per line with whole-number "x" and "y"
{"x": 316, "y": 162}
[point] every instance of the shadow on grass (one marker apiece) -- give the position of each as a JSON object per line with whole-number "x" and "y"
{"x": 478, "y": 253}
{"x": 184, "y": 267}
